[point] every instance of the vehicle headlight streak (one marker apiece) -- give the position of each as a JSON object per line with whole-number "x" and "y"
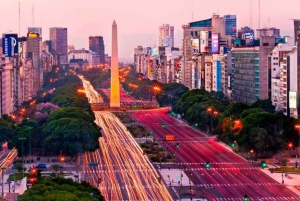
{"x": 126, "y": 174}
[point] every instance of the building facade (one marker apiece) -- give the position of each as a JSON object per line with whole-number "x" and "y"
{"x": 59, "y": 43}
{"x": 96, "y": 44}
{"x": 230, "y": 25}
{"x": 166, "y": 35}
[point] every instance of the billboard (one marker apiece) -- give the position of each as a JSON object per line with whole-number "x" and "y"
{"x": 204, "y": 41}
{"x": 293, "y": 99}
{"x": 249, "y": 37}
{"x": 7, "y": 46}
{"x": 195, "y": 46}
{"x": 37, "y": 30}
{"x": 150, "y": 69}
{"x": 14, "y": 42}
{"x": 153, "y": 52}
{"x": 32, "y": 35}
{"x": 215, "y": 43}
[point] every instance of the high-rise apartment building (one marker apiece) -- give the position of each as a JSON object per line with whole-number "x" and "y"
{"x": 34, "y": 50}
{"x": 96, "y": 44}
{"x": 250, "y": 80}
{"x": 166, "y": 35}
{"x": 59, "y": 43}
{"x": 230, "y": 25}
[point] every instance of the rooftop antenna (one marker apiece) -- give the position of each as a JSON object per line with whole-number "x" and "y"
{"x": 33, "y": 15}
{"x": 251, "y": 13}
{"x": 259, "y": 14}
{"x": 19, "y": 19}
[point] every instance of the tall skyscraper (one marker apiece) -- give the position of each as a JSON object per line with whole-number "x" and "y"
{"x": 34, "y": 49}
{"x": 59, "y": 43}
{"x": 115, "y": 83}
{"x": 230, "y": 25}
{"x": 96, "y": 44}
{"x": 166, "y": 35}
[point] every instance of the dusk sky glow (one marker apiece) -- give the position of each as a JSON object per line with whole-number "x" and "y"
{"x": 137, "y": 20}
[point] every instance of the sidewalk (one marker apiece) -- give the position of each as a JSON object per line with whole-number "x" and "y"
{"x": 291, "y": 181}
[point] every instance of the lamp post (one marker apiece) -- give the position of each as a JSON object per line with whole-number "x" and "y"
{"x": 190, "y": 174}
{"x": 30, "y": 156}
{"x": 297, "y": 127}
{"x": 22, "y": 139}
{"x": 62, "y": 159}
{"x": 290, "y": 148}
{"x": 3, "y": 168}
{"x": 212, "y": 113}
{"x": 251, "y": 155}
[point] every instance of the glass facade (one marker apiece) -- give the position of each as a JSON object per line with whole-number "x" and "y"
{"x": 202, "y": 23}
{"x": 245, "y": 76}
{"x": 230, "y": 25}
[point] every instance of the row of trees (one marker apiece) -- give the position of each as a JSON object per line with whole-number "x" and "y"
{"x": 59, "y": 120}
{"x": 60, "y": 189}
{"x": 256, "y": 127}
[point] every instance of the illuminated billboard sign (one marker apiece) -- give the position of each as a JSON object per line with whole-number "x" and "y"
{"x": 32, "y": 35}
{"x": 7, "y": 46}
{"x": 37, "y": 30}
{"x": 195, "y": 46}
{"x": 14, "y": 42}
{"x": 153, "y": 52}
{"x": 293, "y": 99}
{"x": 249, "y": 37}
{"x": 215, "y": 43}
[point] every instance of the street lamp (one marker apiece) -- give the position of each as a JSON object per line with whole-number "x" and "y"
{"x": 30, "y": 156}
{"x": 3, "y": 168}
{"x": 212, "y": 113}
{"x": 62, "y": 159}
{"x": 251, "y": 155}
{"x": 290, "y": 148}
{"x": 22, "y": 139}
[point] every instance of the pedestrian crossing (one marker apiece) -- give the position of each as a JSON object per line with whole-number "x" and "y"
{"x": 257, "y": 199}
{"x": 236, "y": 184}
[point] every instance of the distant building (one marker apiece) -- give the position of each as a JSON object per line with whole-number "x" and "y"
{"x": 268, "y": 32}
{"x": 34, "y": 50}
{"x": 59, "y": 43}
{"x": 92, "y": 58}
{"x": 70, "y": 48}
{"x": 166, "y": 35}
{"x": 107, "y": 59}
{"x": 230, "y": 25}
{"x": 78, "y": 64}
{"x": 96, "y": 44}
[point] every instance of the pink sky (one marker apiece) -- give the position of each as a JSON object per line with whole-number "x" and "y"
{"x": 137, "y": 20}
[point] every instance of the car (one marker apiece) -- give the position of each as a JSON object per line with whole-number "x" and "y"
{"x": 41, "y": 166}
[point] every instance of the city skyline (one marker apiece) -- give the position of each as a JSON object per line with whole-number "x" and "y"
{"x": 138, "y": 22}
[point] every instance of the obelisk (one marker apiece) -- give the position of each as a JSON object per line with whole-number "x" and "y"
{"x": 114, "y": 79}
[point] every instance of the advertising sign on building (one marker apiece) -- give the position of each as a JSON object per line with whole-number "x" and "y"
{"x": 249, "y": 37}
{"x": 7, "y": 46}
{"x": 150, "y": 70}
{"x": 215, "y": 43}
{"x": 204, "y": 41}
{"x": 195, "y": 46}
{"x": 37, "y": 30}
{"x": 153, "y": 52}
{"x": 32, "y": 35}
{"x": 14, "y": 42}
{"x": 293, "y": 99}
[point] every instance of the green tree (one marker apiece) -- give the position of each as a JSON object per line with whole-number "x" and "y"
{"x": 61, "y": 189}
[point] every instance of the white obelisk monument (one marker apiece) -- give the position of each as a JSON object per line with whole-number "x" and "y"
{"x": 114, "y": 79}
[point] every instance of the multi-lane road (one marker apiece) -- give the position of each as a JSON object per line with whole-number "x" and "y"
{"x": 230, "y": 177}
{"x": 122, "y": 172}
